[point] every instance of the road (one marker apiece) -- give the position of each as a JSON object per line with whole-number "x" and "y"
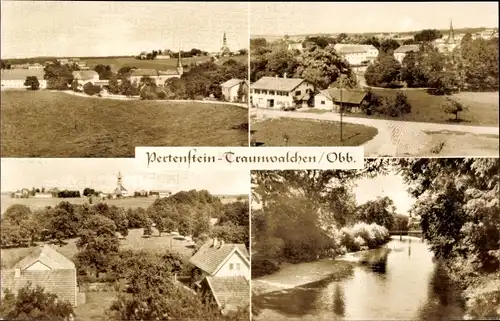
{"x": 394, "y": 138}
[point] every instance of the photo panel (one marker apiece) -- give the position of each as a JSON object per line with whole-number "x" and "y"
{"x": 114, "y": 242}
{"x": 406, "y": 79}
{"x": 130, "y": 74}
{"x": 401, "y": 239}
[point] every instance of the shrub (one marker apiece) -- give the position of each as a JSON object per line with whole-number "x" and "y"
{"x": 90, "y": 89}
{"x": 361, "y": 234}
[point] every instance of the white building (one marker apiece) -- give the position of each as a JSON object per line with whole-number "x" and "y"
{"x": 36, "y": 66}
{"x": 85, "y": 76}
{"x": 231, "y": 88}
{"x": 15, "y": 78}
{"x": 295, "y": 46}
{"x": 43, "y": 195}
{"x": 274, "y": 92}
{"x": 332, "y": 98}
{"x": 402, "y": 51}
{"x": 357, "y": 54}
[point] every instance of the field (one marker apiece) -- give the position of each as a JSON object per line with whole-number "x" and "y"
{"x": 54, "y": 124}
{"x": 159, "y": 64}
{"x": 271, "y": 132}
{"x": 132, "y": 202}
{"x": 483, "y": 107}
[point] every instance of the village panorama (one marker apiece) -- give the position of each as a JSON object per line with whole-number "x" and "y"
{"x": 161, "y": 247}
{"x": 168, "y": 87}
{"x": 428, "y": 91}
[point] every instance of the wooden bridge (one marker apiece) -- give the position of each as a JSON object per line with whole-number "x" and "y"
{"x": 415, "y": 233}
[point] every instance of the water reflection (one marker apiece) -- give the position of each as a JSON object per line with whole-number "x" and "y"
{"x": 399, "y": 281}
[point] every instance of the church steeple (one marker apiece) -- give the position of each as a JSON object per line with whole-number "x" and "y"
{"x": 119, "y": 179}
{"x": 224, "y": 41}
{"x": 451, "y": 34}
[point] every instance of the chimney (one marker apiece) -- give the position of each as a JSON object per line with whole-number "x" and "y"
{"x": 17, "y": 273}
{"x": 214, "y": 242}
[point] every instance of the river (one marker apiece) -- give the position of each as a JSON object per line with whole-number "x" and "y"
{"x": 400, "y": 281}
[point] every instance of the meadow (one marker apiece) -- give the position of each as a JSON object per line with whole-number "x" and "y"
{"x": 55, "y": 124}
{"x": 326, "y": 133}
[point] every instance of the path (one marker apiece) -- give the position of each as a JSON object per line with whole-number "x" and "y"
{"x": 394, "y": 138}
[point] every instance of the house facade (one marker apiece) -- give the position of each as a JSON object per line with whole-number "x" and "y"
{"x": 84, "y": 76}
{"x": 45, "y": 267}
{"x": 15, "y": 78}
{"x": 231, "y": 88}
{"x": 332, "y": 98}
{"x": 274, "y": 92}
{"x": 402, "y": 51}
{"x": 357, "y": 55}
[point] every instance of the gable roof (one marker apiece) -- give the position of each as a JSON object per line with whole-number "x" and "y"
{"x": 348, "y": 96}
{"x": 210, "y": 259}
{"x": 144, "y": 72}
{"x": 21, "y": 74}
{"x": 47, "y": 256}
{"x": 352, "y": 49}
{"x": 85, "y": 74}
{"x": 407, "y": 48}
{"x": 60, "y": 282}
{"x": 275, "y": 83}
{"x": 232, "y": 82}
{"x": 229, "y": 292}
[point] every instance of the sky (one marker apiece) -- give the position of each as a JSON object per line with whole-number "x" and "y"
{"x": 73, "y": 28}
{"x": 101, "y": 174}
{"x": 391, "y": 185}
{"x": 268, "y": 18}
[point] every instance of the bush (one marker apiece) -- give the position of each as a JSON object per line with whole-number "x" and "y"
{"x": 263, "y": 267}
{"x": 361, "y": 234}
{"x": 90, "y": 89}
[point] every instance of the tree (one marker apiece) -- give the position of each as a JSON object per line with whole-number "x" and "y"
{"x": 104, "y": 71}
{"x": 58, "y": 76}
{"x": 454, "y": 107}
{"x": 385, "y": 72}
{"x": 33, "y": 303}
{"x": 128, "y": 89}
{"x": 114, "y": 87}
{"x": 388, "y": 46}
{"x": 412, "y": 72}
{"x": 400, "y": 223}
{"x": 19, "y": 226}
{"x": 32, "y": 82}
{"x": 401, "y": 103}
{"x": 380, "y": 211}
{"x": 428, "y": 35}
{"x": 90, "y": 89}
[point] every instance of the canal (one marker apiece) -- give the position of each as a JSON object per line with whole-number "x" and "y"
{"x": 400, "y": 281}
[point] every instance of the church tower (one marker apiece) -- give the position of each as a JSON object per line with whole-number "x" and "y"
{"x": 224, "y": 51}
{"x": 119, "y": 180}
{"x": 224, "y": 41}
{"x": 451, "y": 35}
{"x": 180, "y": 69}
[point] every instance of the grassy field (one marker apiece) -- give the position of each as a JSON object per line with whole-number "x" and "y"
{"x": 325, "y": 133}
{"x": 483, "y": 107}
{"x": 52, "y": 124}
{"x": 132, "y": 202}
{"x": 159, "y": 64}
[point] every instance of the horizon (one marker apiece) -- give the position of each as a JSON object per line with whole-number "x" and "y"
{"x": 375, "y": 17}
{"x": 101, "y": 175}
{"x": 83, "y": 29}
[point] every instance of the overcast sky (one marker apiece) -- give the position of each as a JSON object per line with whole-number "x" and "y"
{"x": 101, "y": 174}
{"x": 268, "y": 18}
{"x": 391, "y": 185}
{"x": 71, "y": 28}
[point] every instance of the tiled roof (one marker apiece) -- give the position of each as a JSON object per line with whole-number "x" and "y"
{"x": 407, "y": 48}
{"x": 21, "y": 74}
{"x": 352, "y": 49}
{"x": 47, "y": 256}
{"x": 348, "y": 96}
{"x": 61, "y": 282}
{"x": 85, "y": 74}
{"x": 169, "y": 72}
{"x": 210, "y": 258}
{"x": 144, "y": 72}
{"x": 274, "y": 83}
{"x": 229, "y": 292}
{"x": 232, "y": 82}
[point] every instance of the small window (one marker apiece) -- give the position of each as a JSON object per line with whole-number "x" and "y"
{"x": 322, "y": 102}
{"x": 231, "y": 266}
{"x": 237, "y": 266}
{"x": 271, "y": 92}
{"x": 257, "y": 91}
{"x": 297, "y": 93}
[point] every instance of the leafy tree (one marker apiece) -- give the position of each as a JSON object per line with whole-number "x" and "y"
{"x": 428, "y": 35}
{"x": 19, "y": 226}
{"x": 128, "y": 89}
{"x": 401, "y": 103}
{"x": 90, "y": 89}
{"x": 137, "y": 218}
{"x": 400, "y": 223}
{"x": 114, "y": 87}
{"x": 384, "y": 72}
{"x": 58, "y": 76}
{"x": 104, "y": 71}
{"x": 380, "y": 211}
{"x": 412, "y": 72}
{"x": 33, "y": 303}
{"x": 371, "y": 103}
{"x": 388, "y": 46}
{"x": 454, "y": 107}
{"x": 32, "y": 82}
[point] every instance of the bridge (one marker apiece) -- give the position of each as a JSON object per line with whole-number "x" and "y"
{"x": 415, "y": 233}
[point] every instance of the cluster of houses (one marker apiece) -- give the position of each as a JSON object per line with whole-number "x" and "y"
{"x": 224, "y": 274}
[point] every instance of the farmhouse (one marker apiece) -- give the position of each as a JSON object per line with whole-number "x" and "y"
{"x": 270, "y": 92}
{"x": 357, "y": 54}
{"x": 161, "y": 193}
{"x": 401, "y": 52}
{"x": 232, "y": 87}
{"x": 218, "y": 259}
{"x": 331, "y": 98}
{"x": 85, "y": 76}
{"x": 229, "y": 293}
{"x": 15, "y": 78}
{"x": 45, "y": 267}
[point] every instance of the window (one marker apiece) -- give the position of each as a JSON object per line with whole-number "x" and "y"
{"x": 297, "y": 92}
{"x": 271, "y": 92}
{"x": 257, "y": 91}
{"x": 231, "y": 266}
{"x": 237, "y": 266}
{"x": 322, "y": 102}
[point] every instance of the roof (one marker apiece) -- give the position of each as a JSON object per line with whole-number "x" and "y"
{"x": 232, "y": 82}
{"x": 275, "y": 83}
{"x": 47, "y": 256}
{"x": 120, "y": 188}
{"x": 348, "y": 96}
{"x": 144, "y": 72}
{"x": 229, "y": 292}
{"x": 407, "y": 48}
{"x": 60, "y": 282}
{"x": 21, "y": 74}
{"x": 85, "y": 74}
{"x": 169, "y": 72}
{"x": 352, "y": 49}
{"x": 210, "y": 259}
